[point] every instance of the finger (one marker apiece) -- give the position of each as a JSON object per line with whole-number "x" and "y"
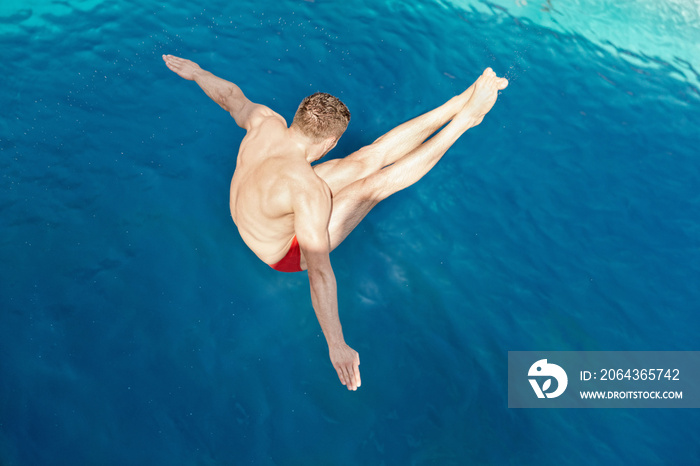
{"x": 502, "y": 83}
{"x": 341, "y": 376}
{"x": 358, "y": 382}
{"x": 355, "y": 373}
{"x": 350, "y": 377}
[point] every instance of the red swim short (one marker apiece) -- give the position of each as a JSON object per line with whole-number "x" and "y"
{"x": 292, "y": 261}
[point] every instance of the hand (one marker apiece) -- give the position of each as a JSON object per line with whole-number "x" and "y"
{"x": 346, "y": 362}
{"x": 183, "y": 67}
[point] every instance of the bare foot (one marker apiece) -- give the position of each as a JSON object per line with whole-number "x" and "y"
{"x": 183, "y": 67}
{"x": 484, "y": 95}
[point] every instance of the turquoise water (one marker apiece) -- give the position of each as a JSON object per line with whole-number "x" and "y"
{"x": 136, "y": 328}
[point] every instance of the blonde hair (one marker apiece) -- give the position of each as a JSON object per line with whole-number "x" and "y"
{"x": 321, "y": 116}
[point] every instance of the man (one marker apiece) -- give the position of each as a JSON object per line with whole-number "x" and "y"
{"x": 292, "y": 215}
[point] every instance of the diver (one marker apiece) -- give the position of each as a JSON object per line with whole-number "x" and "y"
{"x": 292, "y": 214}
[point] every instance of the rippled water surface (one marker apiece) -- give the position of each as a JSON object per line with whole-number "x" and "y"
{"x": 136, "y": 328}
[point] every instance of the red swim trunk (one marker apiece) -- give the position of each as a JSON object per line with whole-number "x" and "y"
{"x": 292, "y": 261}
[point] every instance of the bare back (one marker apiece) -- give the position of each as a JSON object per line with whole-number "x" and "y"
{"x": 266, "y": 177}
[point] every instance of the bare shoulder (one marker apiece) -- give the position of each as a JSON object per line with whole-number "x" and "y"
{"x": 259, "y": 115}
{"x": 308, "y": 190}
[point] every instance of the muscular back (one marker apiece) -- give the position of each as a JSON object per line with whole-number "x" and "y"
{"x": 267, "y": 176}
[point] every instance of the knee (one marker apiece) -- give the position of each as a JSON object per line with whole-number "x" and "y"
{"x": 369, "y": 157}
{"x": 373, "y": 190}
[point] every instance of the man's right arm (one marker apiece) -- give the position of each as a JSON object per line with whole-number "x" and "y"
{"x": 225, "y": 93}
{"x": 312, "y": 210}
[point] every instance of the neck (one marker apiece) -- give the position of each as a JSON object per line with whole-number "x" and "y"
{"x": 312, "y": 150}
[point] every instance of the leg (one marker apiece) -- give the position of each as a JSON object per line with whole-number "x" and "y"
{"x": 339, "y": 173}
{"x": 352, "y": 203}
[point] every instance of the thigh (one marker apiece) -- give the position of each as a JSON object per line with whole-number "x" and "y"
{"x": 340, "y": 173}
{"x": 350, "y": 205}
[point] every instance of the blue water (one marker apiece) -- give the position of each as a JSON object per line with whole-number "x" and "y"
{"x": 136, "y": 327}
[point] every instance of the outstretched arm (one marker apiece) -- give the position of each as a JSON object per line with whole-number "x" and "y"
{"x": 225, "y": 93}
{"x": 312, "y": 212}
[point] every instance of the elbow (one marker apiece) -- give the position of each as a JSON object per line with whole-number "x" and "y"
{"x": 225, "y": 98}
